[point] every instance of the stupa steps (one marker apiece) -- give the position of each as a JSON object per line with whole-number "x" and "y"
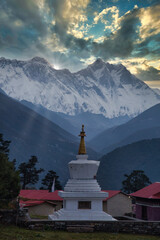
{"x": 82, "y": 184}
{"x": 73, "y": 180}
{"x": 78, "y": 185}
{"x": 87, "y": 189}
{"x": 90, "y": 187}
{"x": 81, "y": 215}
{"x": 78, "y": 180}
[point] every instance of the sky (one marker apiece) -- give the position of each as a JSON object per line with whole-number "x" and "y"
{"x": 74, "y": 33}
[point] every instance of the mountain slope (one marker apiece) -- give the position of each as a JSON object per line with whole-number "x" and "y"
{"x": 144, "y": 126}
{"x": 101, "y": 88}
{"x": 94, "y": 123}
{"x": 52, "y": 116}
{"x": 32, "y": 134}
{"x": 142, "y": 155}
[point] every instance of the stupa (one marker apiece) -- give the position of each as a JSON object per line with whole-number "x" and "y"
{"x": 82, "y": 195}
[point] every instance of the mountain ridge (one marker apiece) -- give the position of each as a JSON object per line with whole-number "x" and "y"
{"x": 101, "y": 88}
{"x": 142, "y": 155}
{"x": 145, "y": 123}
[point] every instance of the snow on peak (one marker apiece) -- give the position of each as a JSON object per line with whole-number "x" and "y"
{"x": 101, "y": 88}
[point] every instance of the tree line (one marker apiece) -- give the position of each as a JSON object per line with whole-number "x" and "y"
{"x": 13, "y": 179}
{"x": 27, "y": 173}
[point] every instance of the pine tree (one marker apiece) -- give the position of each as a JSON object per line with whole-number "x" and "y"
{"x": 9, "y": 177}
{"x": 4, "y": 145}
{"x": 135, "y": 181}
{"x": 28, "y": 172}
{"x": 49, "y": 179}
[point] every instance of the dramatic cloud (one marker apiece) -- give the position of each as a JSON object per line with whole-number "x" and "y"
{"x": 148, "y": 74}
{"x": 107, "y": 14}
{"x": 71, "y": 33}
{"x": 69, "y": 17}
{"x": 150, "y": 21}
{"x": 22, "y": 27}
{"x": 121, "y": 43}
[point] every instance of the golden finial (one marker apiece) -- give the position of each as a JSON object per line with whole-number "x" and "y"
{"x": 82, "y": 148}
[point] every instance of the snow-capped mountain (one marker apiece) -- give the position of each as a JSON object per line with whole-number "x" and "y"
{"x": 101, "y": 88}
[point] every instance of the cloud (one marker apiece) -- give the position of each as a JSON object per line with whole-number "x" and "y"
{"x": 146, "y": 70}
{"x": 150, "y": 21}
{"x": 129, "y": 35}
{"x": 148, "y": 74}
{"x": 69, "y": 16}
{"x": 109, "y": 17}
{"x": 66, "y": 31}
{"x": 53, "y": 43}
{"x": 67, "y": 60}
{"x": 22, "y": 26}
{"x": 121, "y": 43}
{"x": 147, "y": 43}
{"x": 134, "y": 37}
{"x": 149, "y": 48}
{"x": 26, "y": 12}
{"x": 100, "y": 39}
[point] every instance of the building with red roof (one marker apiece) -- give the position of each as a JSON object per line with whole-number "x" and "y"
{"x": 40, "y": 202}
{"x": 43, "y": 202}
{"x": 147, "y": 202}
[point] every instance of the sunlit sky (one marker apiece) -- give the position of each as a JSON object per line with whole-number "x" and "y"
{"x": 73, "y": 33}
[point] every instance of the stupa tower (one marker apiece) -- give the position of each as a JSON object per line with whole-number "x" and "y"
{"x": 82, "y": 195}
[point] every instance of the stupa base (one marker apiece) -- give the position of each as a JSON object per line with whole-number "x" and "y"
{"x": 80, "y": 215}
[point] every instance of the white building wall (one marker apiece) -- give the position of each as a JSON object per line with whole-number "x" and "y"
{"x": 96, "y": 205}
{"x": 118, "y": 205}
{"x": 71, "y": 204}
{"x": 43, "y": 209}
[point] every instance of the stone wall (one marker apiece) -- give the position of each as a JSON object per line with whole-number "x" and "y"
{"x": 133, "y": 227}
{"x": 125, "y": 226}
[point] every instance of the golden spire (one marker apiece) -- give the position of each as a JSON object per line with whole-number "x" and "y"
{"x": 82, "y": 148}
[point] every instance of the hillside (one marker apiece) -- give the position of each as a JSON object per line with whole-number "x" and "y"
{"x": 142, "y": 155}
{"x": 94, "y": 123}
{"x": 144, "y": 126}
{"x": 52, "y": 116}
{"x": 32, "y": 134}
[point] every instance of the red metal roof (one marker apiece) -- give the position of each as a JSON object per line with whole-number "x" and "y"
{"x": 53, "y": 196}
{"x": 111, "y": 193}
{"x": 40, "y": 195}
{"x": 30, "y": 203}
{"x": 33, "y": 194}
{"x": 152, "y": 191}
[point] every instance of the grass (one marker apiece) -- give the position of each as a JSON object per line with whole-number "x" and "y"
{"x": 16, "y": 233}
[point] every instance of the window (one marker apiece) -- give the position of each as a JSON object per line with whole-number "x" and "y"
{"x": 84, "y": 205}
